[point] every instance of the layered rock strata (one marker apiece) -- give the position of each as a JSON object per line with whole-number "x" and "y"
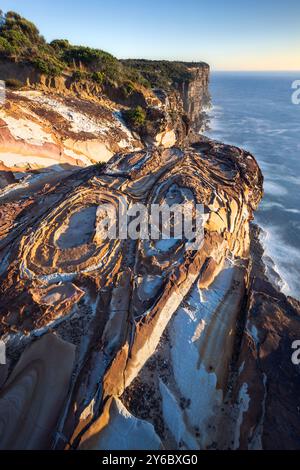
{"x": 59, "y": 124}
{"x": 48, "y": 130}
{"x": 160, "y": 333}
{"x": 195, "y": 95}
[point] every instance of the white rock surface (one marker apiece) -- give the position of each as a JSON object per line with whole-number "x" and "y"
{"x": 124, "y": 432}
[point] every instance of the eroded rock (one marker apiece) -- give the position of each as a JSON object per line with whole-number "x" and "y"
{"x": 160, "y": 332}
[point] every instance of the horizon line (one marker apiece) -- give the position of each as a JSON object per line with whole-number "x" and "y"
{"x": 255, "y": 70}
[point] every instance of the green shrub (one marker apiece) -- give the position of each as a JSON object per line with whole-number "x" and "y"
{"x": 135, "y": 117}
{"x": 86, "y": 55}
{"x": 18, "y": 36}
{"x": 133, "y": 75}
{"x": 6, "y": 49}
{"x": 14, "y": 21}
{"x": 20, "y": 39}
{"x": 160, "y": 73}
{"x": 79, "y": 75}
{"x": 48, "y": 65}
{"x": 96, "y": 60}
{"x": 128, "y": 88}
{"x": 13, "y": 83}
{"x": 19, "y": 31}
{"x": 60, "y": 44}
{"x": 98, "y": 77}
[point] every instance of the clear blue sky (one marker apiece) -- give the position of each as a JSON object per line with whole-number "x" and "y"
{"x": 228, "y": 34}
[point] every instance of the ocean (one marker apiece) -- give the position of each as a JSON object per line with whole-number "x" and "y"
{"x": 255, "y": 111}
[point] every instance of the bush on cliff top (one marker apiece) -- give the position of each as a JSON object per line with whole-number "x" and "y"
{"x": 21, "y": 35}
{"x": 160, "y": 73}
{"x": 98, "y": 77}
{"x": 48, "y": 65}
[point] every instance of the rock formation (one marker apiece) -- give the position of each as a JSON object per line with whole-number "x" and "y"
{"x": 61, "y": 128}
{"x": 40, "y": 130}
{"x": 33, "y": 396}
{"x": 134, "y": 343}
{"x": 194, "y": 94}
{"x": 176, "y": 343}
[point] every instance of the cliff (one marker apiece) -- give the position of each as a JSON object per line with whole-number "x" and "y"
{"x": 195, "y": 96}
{"x": 185, "y": 86}
{"x": 60, "y": 121}
{"x": 134, "y": 343}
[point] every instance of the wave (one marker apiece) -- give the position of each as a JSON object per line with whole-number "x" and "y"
{"x": 277, "y": 257}
{"x": 275, "y": 189}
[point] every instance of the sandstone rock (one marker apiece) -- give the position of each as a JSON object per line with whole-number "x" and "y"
{"x": 34, "y": 394}
{"x": 117, "y": 429}
{"x": 41, "y": 130}
{"x": 159, "y": 330}
{"x": 270, "y": 419}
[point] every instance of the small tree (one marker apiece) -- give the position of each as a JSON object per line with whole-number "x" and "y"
{"x": 98, "y": 77}
{"x": 136, "y": 117}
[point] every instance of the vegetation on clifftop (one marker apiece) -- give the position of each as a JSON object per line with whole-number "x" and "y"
{"x": 21, "y": 41}
{"x": 162, "y": 73}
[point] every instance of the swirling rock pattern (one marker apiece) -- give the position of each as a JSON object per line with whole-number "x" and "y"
{"x": 155, "y": 327}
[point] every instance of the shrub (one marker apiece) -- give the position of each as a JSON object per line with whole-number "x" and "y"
{"x": 15, "y": 22}
{"x": 21, "y": 35}
{"x": 48, "y": 65}
{"x": 13, "y": 83}
{"x": 98, "y": 77}
{"x": 128, "y": 88}
{"x": 133, "y": 75}
{"x": 97, "y": 61}
{"x": 135, "y": 117}
{"x": 60, "y": 44}
{"x": 86, "y": 55}
{"x": 20, "y": 39}
{"x": 6, "y": 49}
{"x": 79, "y": 75}
{"x": 160, "y": 73}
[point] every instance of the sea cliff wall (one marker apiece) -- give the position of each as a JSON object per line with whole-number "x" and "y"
{"x": 195, "y": 95}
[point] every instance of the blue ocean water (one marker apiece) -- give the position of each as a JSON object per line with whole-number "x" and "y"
{"x": 255, "y": 111}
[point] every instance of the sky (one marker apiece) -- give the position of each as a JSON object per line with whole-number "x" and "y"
{"x": 228, "y": 34}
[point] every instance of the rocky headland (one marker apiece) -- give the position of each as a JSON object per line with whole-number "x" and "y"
{"x": 126, "y": 344}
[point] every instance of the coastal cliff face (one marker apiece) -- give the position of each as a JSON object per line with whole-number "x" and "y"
{"x": 183, "y": 87}
{"x": 64, "y": 124}
{"x": 129, "y": 343}
{"x": 195, "y": 95}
